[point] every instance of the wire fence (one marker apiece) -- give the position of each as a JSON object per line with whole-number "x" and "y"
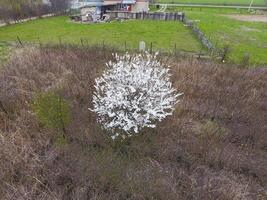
{"x": 123, "y": 46}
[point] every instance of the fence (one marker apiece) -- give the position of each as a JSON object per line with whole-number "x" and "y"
{"x": 178, "y": 16}
{"x": 104, "y": 45}
{"x": 201, "y": 37}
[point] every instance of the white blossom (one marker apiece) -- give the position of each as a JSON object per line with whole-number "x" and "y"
{"x": 134, "y": 92}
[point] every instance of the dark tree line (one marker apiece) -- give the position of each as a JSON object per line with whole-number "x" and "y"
{"x": 15, "y": 10}
{"x": 59, "y": 5}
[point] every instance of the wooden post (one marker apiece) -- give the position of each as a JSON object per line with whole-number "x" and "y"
{"x": 82, "y": 42}
{"x": 151, "y": 45}
{"x": 61, "y": 119}
{"x": 175, "y": 49}
{"x": 183, "y": 17}
{"x": 40, "y": 43}
{"x": 250, "y": 5}
{"x": 19, "y": 40}
{"x": 125, "y": 46}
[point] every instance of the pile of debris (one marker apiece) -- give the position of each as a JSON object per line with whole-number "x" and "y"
{"x": 91, "y": 18}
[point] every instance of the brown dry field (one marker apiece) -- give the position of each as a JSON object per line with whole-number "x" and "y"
{"x": 214, "y": 146}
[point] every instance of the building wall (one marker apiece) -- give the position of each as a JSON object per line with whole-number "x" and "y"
{"x": 140, "y": 6}
{"x": 87, "y": 10}
{"x": 88, "y": 13}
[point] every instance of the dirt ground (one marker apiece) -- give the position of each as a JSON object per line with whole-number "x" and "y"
{"x": 249, "y": 18}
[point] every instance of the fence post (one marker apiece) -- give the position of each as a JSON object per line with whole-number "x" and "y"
{"x": 199, "y": 54}
{"x": 175, "y": 49}
{"x": 40, "y": 43}
{"x": 183, "y": 17}
{"x": 125, "y": 46}
{"x": 19, "y": 40}
{"x": 151, "y": 45}
{"x": 82, "y": 42}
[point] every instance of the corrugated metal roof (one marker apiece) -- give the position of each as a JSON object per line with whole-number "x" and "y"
{"x": 83, "y": 3}
{"x": 129, "y": 1}
{"x": 110, "y": 2}
{"x": 89, "y": 1}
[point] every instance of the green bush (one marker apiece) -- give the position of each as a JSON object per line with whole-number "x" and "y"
{"x": 51, "y": 110}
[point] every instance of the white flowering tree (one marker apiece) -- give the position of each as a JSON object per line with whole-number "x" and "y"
{"x": 134, "y": 92}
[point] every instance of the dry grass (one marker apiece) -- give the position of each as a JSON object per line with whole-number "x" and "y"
{"x": 213, "y": 147}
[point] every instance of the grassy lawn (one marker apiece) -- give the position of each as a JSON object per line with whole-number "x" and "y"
{"x": 242, "y": 37}
{"x": 217, "y": 2}
{"x": 163, "y": 35}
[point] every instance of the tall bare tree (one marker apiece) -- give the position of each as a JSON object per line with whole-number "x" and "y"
{"x": 60, "y": 5}
{"x": 18, "y": 9}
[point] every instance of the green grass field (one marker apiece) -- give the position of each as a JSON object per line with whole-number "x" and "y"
{"x": 163, "y": 35}
{"x": 217, "y": 2}
{"x": 242, "y": 37}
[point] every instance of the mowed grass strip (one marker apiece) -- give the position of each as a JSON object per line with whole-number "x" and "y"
{"x": 241, "y": 37}
{"x": 164, "y": 35}
{"x": 217, "y": 2}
